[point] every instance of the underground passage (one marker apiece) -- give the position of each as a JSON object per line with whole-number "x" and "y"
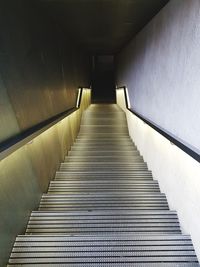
{"x": 99, "y": 133}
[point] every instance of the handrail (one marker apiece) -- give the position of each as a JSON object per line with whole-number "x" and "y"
{"x": 13, "y": 143}
{"x": 173, "y": 140}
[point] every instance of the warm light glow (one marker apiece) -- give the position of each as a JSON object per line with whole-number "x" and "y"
{"x": 78, "y": 97}
{"x": 128, "y": 99}
{"x": 27, "y": 168}
{"x": 76, "y": 115}
{"x": 121, "y": 99}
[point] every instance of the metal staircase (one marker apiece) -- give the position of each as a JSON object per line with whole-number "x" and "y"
{"x": 103, "y": 208}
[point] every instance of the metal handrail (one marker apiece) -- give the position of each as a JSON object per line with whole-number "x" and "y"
{"x": 13, "y": 143}
{"x": 173, "y": 140}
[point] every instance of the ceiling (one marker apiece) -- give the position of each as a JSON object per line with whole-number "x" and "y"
{"x": 102, "y": 26}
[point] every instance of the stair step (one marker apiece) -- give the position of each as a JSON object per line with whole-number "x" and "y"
{"x": 106, "y": 197}
{"x": 92, "y": 160}
{"x": 101, "y": 230}
{"x": 100, "y": 201}
{"x": 111, "y": 158}
{"x": 109, "y": 239}
{"x": 120, "y": 144}
{"x": 74, "y": 176}
{"x": 103, "y": 175}
{"x": 101, "y": 153}
{"x": 88, "y": 148}
{"x": 104, "y": 250}
{"x": 103, "y": 139}
{"x": 98, "y": 179}
{"x": 104, "y": 142}
{"x": 105, "y": 183}
{"x": 103, "y": 164}
{"x": 93, "y": 186}
{"x": 101, "y": 207}
{"x": 110, "y": 213}
{"x": 102, "y": 129}
{"x": 120, "y": 247}
{"x": 99, "y": 169}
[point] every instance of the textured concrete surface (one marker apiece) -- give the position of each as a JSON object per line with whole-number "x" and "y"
{"x": 40, "y": 67}
{"x": 8, "y": 121}
{"x": 161, "y": 68}
{"x": 177, "y": 173}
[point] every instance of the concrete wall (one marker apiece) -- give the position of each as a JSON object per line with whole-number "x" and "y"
{"x": 40, "y": 68}
{"x": 177, "y": 173}
{"x": 161, "y": 68}
{"x": 40, "y": 71}
{"x": 26, "y": 173}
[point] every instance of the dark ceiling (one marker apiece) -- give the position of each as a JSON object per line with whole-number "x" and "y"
{"x": 102, "y": 26}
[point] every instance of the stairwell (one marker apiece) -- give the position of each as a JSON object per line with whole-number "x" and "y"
{"x": 103, "y": 208}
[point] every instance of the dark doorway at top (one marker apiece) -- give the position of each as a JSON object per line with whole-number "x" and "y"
{"x": 103, "y": 81}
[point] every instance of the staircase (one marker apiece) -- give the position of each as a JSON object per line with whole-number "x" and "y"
{"x": 103, "y": 208}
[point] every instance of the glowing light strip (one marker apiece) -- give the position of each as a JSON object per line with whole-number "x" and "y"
{"x": 128, "y": 100}
{"x": 78, "y": 97}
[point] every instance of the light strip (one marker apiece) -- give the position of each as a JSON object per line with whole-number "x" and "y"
{"x": 78, "y": 97}
{"x": 128, "y": 100}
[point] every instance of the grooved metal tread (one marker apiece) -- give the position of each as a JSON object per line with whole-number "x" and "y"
{"x": 103, "y": 209}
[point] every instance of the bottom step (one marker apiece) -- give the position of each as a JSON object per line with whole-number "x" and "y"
{"x": 105, "y": 250}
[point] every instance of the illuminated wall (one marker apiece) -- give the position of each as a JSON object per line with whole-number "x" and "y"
{"x": 26, "y": 173}
{"x": 177, "y": 173}
{"x": 160, "y": 67}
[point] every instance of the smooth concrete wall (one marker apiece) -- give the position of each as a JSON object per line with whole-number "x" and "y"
{"x": 40, "y": 67}
{"x": 8, "y": 121}
{"x": 161, "y": 69}
{"x": 177, "y": 173}
{"x": 26, "y": 173}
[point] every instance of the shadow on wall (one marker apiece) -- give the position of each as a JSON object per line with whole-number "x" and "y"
{"x": 40, "y": 69}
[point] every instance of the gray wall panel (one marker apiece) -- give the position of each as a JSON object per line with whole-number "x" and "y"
{"x": 161, "y": 68}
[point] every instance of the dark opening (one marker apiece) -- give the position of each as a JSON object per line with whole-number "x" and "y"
{"x": 103, "y": 82}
